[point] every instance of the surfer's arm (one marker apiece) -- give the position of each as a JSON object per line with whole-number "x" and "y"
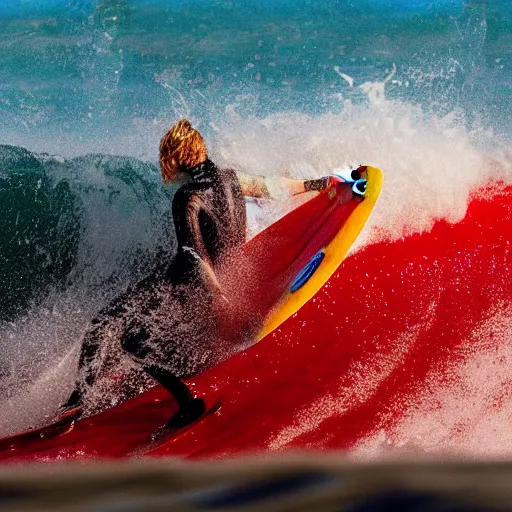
{"x": 193, "y": 210}
{"x": 301, "y": 186}
{"x": 258, "y": 186}
{"x": 192, "y": 233}
{"x": 253, "y": 186}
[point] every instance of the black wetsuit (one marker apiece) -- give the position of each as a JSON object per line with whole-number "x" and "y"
{"x": 167, "y": 322}
{"x": 210, "y": 218}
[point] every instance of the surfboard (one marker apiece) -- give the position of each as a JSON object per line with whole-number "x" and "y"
{"x": 268, "y": 279}
{"x": 292, "y": 259}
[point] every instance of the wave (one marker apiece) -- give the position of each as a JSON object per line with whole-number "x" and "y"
{"x": 95, "y": 223}
{"x": 89, "y": 222}
{"x": 80, "y": 230}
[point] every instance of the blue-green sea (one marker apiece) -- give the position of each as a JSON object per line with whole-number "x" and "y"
{"x": 420, "y": 88}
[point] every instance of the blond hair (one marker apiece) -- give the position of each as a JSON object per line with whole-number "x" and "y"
{"x": 181, "y": 147}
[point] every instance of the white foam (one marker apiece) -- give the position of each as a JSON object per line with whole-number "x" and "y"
{"x": 430, "y": 164}
{"x": 464, "y": 407}
{"x": 39, "y": 359}
{"x": 38, "y": 403}
{"x": 347, "y": 78}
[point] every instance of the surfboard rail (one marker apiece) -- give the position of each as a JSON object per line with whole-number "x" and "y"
{"x": 349, "y": 215}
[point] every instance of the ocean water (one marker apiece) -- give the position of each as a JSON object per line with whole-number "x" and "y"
{"x": 421, "y": 89}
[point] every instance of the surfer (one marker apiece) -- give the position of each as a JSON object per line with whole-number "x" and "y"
{"x": 173, "y": 321}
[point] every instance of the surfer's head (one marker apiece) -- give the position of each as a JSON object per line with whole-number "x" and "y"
{"x": 181, "y": 148}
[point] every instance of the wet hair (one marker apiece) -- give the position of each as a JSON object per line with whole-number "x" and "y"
{"x": 185, "y": 145}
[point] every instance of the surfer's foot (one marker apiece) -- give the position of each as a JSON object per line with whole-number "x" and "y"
{"x": 188, "y": 413}
{"x": 70, "y": 413}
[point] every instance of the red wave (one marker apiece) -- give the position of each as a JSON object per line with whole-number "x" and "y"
{"x": 394, "y": 313}
{"x": 354, "y": 359}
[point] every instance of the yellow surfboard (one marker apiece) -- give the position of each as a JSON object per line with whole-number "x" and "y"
{"x": 284, "y": 266}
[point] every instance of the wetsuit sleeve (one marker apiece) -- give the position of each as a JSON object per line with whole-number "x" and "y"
{"x": 190, "y": 237}
{"x": 186, "y": 210}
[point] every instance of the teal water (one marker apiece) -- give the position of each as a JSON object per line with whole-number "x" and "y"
{"x": 422, "y": 89}
{"x": 53, "y": 231}
{"x": 85, "y": 72}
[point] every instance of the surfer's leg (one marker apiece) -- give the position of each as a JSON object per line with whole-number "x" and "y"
{"x": 87, "y": 366}
{"x": 189, "y": 407}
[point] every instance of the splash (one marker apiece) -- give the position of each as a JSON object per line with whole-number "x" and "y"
{"x": 431, "y": 164}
